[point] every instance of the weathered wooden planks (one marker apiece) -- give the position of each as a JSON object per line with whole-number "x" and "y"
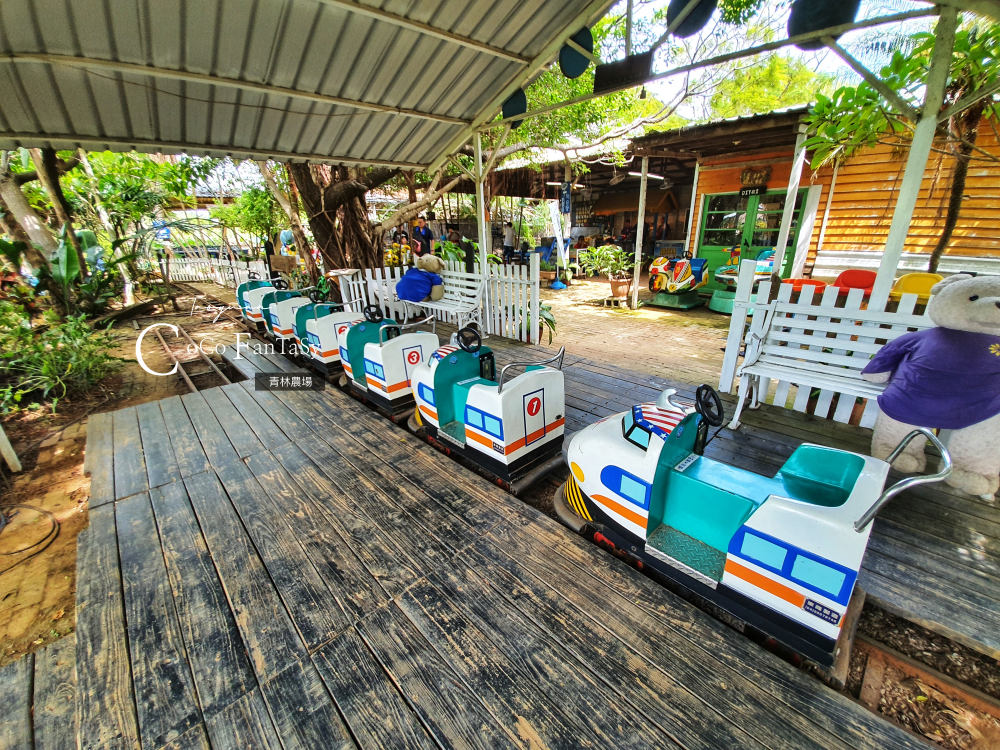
{"x": 161, "y": 466}
{"x": 164, "y": 689}
{"x": 304, "y": 715}
{"x": 243, "y": 439}
{"x": 265, "y": 627}
{"x": 130, "y": 466}
{"x": 213, "y": 438}
{"x": 188, "y": 452}
{"x": 269, "y": 434}
{"x": 15, "y": 703}
{"x": 218, "y": 660}
{"x": 100, "y": 459}
{"x": 375, "y": 711}
{"x": 55, "y": 695}
{"x": 449, "y": 710}
{"x": 105, "y": 698}
{"x": 244, "y": 723}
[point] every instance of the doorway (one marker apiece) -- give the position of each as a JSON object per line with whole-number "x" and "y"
{"x": 752, "y": 222}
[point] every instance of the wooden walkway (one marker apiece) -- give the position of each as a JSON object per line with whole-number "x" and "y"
{"x": 277, "y": 570}
{"x": 934, "y": 555}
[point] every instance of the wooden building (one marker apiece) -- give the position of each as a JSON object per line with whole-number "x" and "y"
{"x": 829, "y": 233}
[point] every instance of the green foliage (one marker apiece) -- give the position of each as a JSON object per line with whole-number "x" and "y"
{"x": 739, "y": 12}
{"x": 52, "y": 362}
{"x": 255, "y": 212}
{"x": 857, "y": 118}
{"x": 608, "y": 260}
{"x": 779, "y": 81}
{"x": 450, "y": 251}
{"x": 546, "y": 319}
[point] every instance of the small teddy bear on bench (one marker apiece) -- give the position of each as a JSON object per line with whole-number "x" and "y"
{"x": 423, "y": 282}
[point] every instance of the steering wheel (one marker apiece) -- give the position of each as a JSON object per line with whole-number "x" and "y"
{"x": 316, "y": 296}
{"x": 469, "y": 340}
{"x": 253, "y": 276}
{"x": 688, "y": 255}
{"x": 709, "y": 405}
{"x": 279, "y": 284}
{"x": 373, "y": 313}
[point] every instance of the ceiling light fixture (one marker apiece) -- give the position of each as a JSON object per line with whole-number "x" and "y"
{"x": 648, "y": 176}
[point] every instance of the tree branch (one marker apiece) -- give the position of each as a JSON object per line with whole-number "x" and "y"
{"x": 62, "y": 167}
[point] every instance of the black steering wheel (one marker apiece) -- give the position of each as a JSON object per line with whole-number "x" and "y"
{"x": 373, "y": 313}
{"x": 253, "y": 276}
{"x": 709, "y": 405}
{"x": 469, "y": 340}
{"x": 687, "y": 255}
{"x": 316, "y": 296}
{"x": 279, "y": 284}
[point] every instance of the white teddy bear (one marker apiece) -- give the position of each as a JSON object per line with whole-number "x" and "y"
{"x": 949, "y": 378}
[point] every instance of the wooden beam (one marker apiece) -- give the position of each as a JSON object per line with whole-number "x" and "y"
{"x": 7, "y": 451}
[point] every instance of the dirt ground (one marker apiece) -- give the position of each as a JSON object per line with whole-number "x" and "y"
{"x": 38, "y": 573}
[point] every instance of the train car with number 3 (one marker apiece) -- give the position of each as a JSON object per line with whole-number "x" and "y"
{"x": 781, "y": 553}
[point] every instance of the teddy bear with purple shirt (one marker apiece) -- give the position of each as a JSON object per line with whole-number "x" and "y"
{"x": 946, "y": 377}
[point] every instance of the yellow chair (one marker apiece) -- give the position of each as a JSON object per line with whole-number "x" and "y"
{"x": 915, "y": 283}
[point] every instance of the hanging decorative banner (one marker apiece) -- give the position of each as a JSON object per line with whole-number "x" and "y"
{"x": 565, "y": 204}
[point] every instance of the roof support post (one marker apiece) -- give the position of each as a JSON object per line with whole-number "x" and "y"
{"x": 628, "y": 28}
{"x": 694, "y": 196}
{"x": 641, "y": 225}
{"x": 482, "y": 225}
{"x": 798, "y": 161}
{"x": 916, "y": 161}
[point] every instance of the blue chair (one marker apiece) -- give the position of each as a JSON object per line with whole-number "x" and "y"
{"x": 698, "y": 268}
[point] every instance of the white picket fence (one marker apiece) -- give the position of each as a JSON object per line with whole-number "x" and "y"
{"x": 222, "y": 271}
{"x": 808, "y": 321}
{"x": 510, "y": 304}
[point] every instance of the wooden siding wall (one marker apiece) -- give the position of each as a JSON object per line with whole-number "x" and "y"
{"x": 866, "y": 193}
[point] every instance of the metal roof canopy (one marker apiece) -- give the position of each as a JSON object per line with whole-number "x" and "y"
{"x": 374, "y": 82}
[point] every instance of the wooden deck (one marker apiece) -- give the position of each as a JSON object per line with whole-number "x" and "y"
{"x": 934, "y": 554}
{"x": 276, "y": 570}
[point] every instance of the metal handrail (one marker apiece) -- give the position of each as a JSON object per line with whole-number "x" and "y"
{"x": 558, "y": 356}
{"x": 905, "y": 484}
{"x": 401, "y": 328}
{"x": 342, "y": 305}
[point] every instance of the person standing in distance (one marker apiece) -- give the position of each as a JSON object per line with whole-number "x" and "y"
{"x": 422, "y": 238}
{"x": 508, "y": 242}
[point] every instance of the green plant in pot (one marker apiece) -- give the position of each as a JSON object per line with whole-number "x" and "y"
{"x": 613, "y": 262}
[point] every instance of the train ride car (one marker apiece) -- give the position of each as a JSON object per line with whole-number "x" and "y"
{"x": 389, "y": 362}
{"x": 510, "y": 427}
{"x": 279, "y": 312}
{"x": 317, "y": 326}
{"x": 250, "y": 293}
{"x": 781, "y": 553}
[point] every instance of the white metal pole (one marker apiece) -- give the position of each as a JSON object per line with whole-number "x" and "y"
{"x": 916, "y": 161}
{"x": 798, "y": 161}
{"x": 628, "y": 28}
{"x": 694, "y": 198}
{"x": 535, "y": 305}
{"x": 639, "y": 233}
{"x": 484, "y": 237}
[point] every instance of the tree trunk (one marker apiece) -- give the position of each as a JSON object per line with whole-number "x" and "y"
{"x": 290, "y": 205}
{"x": 48, "y": 175}
{"x": 128, "y": 297}
{"x": 10, "y": 227}
{"x": 24, "y": 214}
{"x": 970, "y": 126}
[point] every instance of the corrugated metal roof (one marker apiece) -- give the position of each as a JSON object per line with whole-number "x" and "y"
{"x": 394, "y": 82}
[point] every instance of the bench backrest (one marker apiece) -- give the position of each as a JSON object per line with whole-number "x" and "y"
{"x": 461, "y": 287}
{"x": 813, "y": 336}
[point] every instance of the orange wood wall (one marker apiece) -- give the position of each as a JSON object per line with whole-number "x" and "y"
{"x": 865, "y": 196}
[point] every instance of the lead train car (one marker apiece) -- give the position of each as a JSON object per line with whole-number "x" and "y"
{"x": 781, "y": 553}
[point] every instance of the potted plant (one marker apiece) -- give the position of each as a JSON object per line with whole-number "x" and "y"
{"x": 613, "y": 262}
{"x": 545, "y": 320}
{"x": 546, "y": 271}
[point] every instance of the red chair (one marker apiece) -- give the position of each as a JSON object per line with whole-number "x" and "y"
{"x": 797, "y": 284}
{"x": 855, "y": 278}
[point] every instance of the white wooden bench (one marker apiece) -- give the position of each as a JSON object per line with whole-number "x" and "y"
{"x": 463, "y": 298}
{"x": 816, "y": 345}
